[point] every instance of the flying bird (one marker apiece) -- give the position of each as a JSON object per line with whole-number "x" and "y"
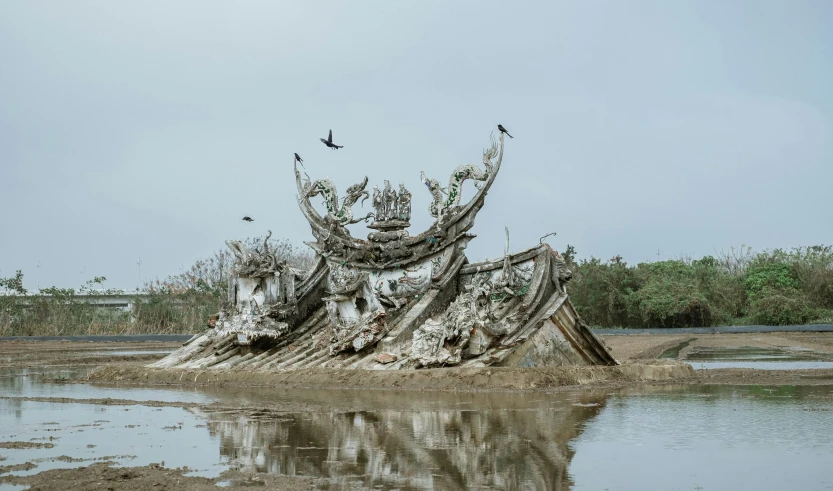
{"x": 503, "y": 130}
{"x": 329, "y": 141}
{"x": 248, "y": 219}
{"x": 299, "y": 159}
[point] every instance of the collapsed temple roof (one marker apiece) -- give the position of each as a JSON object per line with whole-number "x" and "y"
{"x": 393, "y": 300}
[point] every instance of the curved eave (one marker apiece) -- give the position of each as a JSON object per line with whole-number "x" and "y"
{"x": 465, "y": 217}
{"x": 473, "y": 206}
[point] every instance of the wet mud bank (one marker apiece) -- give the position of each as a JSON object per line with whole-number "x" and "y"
{"x": 104, "y": 475}
{"x": 442, "y": 379}
{"x": 749, "y": 376}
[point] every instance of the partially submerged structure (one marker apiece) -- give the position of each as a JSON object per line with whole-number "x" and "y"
{"x": 396, "y": 301}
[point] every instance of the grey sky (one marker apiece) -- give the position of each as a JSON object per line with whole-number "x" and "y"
{"x": 149, "y": 129}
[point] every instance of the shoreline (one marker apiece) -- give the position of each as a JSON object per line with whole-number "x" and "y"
{"x": 599, "y": 331}
{"x": 436, "y": 379}
{"x": 490, "y": 379}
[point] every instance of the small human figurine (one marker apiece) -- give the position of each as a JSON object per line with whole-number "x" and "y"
{"x": 390, "y": 201}
{"x": 378, "y": 204}
{"x": 404, "y": 204}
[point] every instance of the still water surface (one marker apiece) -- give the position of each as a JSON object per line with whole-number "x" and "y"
{"x": 686, "y": 438}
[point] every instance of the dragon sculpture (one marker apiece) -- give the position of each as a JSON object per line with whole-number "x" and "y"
{"x": 253, "y": 262}
{"x": 342, "y": 215}
{"x": 440, "y": 204}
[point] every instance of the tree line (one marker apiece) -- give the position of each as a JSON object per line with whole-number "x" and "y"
{"x": 180, "y": 303}
{"x": 740, "y": 287}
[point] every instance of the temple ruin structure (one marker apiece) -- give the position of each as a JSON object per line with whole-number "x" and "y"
{"x": 396, "y": 301}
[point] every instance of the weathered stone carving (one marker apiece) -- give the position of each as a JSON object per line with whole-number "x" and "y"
{"x": 440, "y": 204}
{"x": 261, "y": 293}
{"x": 437, "y": 205}
{"x": 396, "y": 300}
{"x": 485, "y": 311}
{"x": 253, "y": 263}
{"x": 355, "y": 313}
{"x": 404, "y": 203}
{"x": 392, "y": 210}
{"x": 342, "y": 214}
{"x": 392, "y": 245}
{"x": 562, "y": 274}
{"x": 378, "y": 204}
{"x": 440, "y": 342}
{"x": 390, "y": 202}
{"x": 359, "y": 302}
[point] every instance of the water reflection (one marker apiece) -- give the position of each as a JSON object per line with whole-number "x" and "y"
{"x": 506, "y": 448}
{"x": 39, "y": 381}
{"x": 709, "y": 437}
{"x": 661, "y": 437}
{"x": 752, "y": 354}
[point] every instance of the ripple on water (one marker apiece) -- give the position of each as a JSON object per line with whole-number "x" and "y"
{"x": 715, "y": 437}
{"x": 38, "y": 382}
{"x": 712, "y": 437}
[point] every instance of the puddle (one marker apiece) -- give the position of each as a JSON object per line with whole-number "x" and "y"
{"x": 133, "y": 353}
{"x": 787, "y": 358}
{"x": 74, "y": 354}
{"x": 85, "y": 433}
{"x": 750, "y": 354}
{"x": 761, "y": 365}
{"x": 38, "y": 382}
{"x": 674, "y": 353}
{"x": 12, "y": 487}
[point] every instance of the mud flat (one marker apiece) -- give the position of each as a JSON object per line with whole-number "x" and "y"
{"x": 650, "y": 346}
{"x": 30, "y": 354}
{"x": 637, "y": 353}
{"x": 103, "y": 475}
{"x": 466, "y": 379}
{"x": 443, "y": 379}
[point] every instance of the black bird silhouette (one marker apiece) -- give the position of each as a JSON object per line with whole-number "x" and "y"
{"x": 329, "y": 141}
{"x": 299, "y": 159}
{"x": 503, "y": 130}
{"x": 248, "y": 219}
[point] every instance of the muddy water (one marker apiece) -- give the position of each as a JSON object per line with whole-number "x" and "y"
{"x": 785, "y": 358}
{"x": 46, "y": 382}
{"x": 672, "y": 437}
{"x": 780, "y": 358}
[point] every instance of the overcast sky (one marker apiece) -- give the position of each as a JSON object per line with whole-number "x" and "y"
{"x": 149, "y": 129}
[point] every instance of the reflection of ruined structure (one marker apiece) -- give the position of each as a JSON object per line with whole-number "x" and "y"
{"x": 507, "y": 447}
{"x": 396, "y": 301}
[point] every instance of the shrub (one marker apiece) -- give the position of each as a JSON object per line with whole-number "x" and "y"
{"x": 600, "y": 291}
{"x": 813, "y": 268}
{"x": 780, "y": 307}
{"x": 779, "y": 275}
{"x": 669, "y": 296}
